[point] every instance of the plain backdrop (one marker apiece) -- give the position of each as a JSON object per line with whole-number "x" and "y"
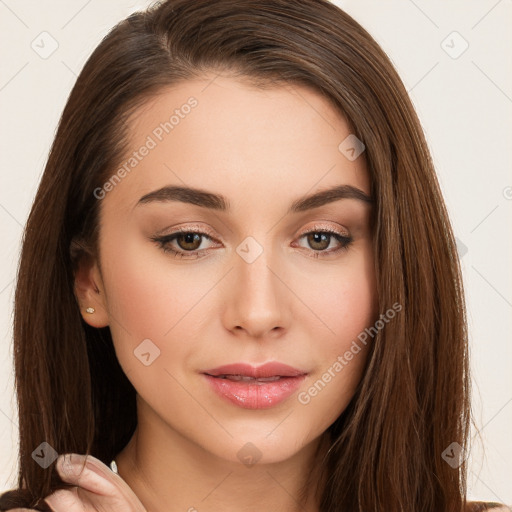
{"x": 455, "y": 60}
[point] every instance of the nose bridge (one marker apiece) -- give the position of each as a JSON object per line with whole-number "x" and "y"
{"x": 256, "y": 293}
{"x": 254, "y": 264}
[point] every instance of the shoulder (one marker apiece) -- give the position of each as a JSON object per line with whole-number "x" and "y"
{"x": 481, "y": 506}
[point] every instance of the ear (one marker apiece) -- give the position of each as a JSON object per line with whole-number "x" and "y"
{"x": 89, "y": 288}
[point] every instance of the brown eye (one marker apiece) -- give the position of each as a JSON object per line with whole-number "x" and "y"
{"x": 184, "y": 244}
{"x": 319, "y": 240}
{"x": 188, "y": 241}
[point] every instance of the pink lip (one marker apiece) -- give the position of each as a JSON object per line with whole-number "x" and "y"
{"x": 255, "y": 394}
{"x": 265, "y": 370}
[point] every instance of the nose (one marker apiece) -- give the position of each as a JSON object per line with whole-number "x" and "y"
{"x": 256, "y": 298}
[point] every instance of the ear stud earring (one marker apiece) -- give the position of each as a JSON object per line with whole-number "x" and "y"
{"x": 90, "y": 310}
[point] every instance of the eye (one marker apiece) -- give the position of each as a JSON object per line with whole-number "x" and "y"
{"x": 320, "y": 240}
{"x": 188, "y": 243}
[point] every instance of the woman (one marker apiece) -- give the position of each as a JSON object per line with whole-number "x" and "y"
{"x": 238, "y": 275}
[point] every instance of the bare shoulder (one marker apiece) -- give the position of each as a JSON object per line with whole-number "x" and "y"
{"x": 481, "y": 506}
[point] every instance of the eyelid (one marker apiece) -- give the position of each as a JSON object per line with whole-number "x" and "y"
{"x": 189, "y": 228}
{"x": 324, "y": 227}
{"x": 201, "y": 229}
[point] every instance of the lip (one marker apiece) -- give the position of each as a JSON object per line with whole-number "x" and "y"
{"x": 271, "y": 369}
{"x": 255, "y": 394}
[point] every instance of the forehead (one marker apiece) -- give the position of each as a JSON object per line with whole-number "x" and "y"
{"x": 220, "y": 133}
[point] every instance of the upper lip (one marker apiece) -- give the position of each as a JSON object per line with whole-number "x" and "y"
{"x": 271, "y": 369}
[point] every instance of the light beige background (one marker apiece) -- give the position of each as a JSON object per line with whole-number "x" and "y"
{"x": 464, "y": 103}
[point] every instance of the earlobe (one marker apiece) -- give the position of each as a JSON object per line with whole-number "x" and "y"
{"x": 89, "y": 292}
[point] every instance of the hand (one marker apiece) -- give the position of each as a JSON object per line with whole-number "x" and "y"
{"x": 98, "y": 489}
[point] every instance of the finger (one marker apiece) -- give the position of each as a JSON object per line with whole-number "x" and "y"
{"x": 91, "y": 477}
{"x": 90, "y": 474}
{"x": 94, "y": 464}
{"x": 65, "y": 500}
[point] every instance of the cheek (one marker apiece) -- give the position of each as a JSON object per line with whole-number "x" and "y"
{"x": 347, "y": 307}
{"x": 151, "y": 297}
{"x": 345, "y": 301}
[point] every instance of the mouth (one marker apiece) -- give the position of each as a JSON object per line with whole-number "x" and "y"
{"x": 271, "y": 370}
{"x": 252, "y": 387}
{"x": 246, "y": 378}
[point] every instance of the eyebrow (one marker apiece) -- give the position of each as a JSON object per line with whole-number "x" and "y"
{"x": 218, "y": 202}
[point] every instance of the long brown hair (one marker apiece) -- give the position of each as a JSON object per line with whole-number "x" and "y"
{"x": 413, "y": 400}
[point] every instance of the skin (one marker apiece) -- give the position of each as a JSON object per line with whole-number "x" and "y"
{"x": 262, "y": 150}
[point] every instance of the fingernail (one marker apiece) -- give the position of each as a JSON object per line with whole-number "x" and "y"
{"x": 65, "y": 465}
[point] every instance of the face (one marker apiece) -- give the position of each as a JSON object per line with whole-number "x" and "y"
{"x": 189, "y": 282}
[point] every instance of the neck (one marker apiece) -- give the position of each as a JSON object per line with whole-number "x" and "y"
{"x": 166, "y": 470}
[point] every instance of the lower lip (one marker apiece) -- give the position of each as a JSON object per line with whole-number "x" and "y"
{"x": 252, "y": 395}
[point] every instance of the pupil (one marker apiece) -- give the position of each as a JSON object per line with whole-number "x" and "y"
{"x": 189, "y": 238}
{"x": 319, "y": 238}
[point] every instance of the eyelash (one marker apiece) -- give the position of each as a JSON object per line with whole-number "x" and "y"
{"x": 164, "y": 241}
